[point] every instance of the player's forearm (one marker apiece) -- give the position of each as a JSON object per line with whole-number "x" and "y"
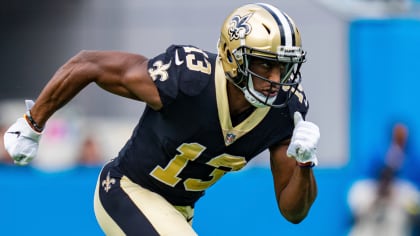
{"x": 296, "y": 199}
{"x": 69, "y": 80}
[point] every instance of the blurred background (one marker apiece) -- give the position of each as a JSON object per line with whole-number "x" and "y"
{"x": 361, "y": 77}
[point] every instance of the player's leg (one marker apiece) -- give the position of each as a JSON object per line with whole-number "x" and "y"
{"x": 125, "y": 208}
{"x": 107, "y": 224}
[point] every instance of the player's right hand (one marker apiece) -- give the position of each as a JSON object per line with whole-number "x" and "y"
{"x": 21, "y": 142}
{"x": 304, "y": 141}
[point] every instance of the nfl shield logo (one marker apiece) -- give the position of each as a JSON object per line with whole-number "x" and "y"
{"x": 230, "y": 138}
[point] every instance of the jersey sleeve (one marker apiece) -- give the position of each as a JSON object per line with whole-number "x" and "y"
{"x": 298, "y": 102}
{"x": 180, "y": 69}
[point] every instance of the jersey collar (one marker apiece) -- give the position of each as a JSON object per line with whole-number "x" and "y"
{"x": 230, "y": 133}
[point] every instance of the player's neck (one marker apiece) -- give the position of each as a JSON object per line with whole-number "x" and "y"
{"x": 237, "y": 101}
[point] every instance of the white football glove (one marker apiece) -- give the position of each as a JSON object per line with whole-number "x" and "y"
{"x": 21, "y": 141}
{"x": 304, "y": 141}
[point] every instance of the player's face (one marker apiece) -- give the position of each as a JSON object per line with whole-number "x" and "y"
{"x": 267, "y": 76}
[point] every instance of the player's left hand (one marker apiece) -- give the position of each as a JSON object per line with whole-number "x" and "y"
{"x": 304, "y": 141}
{"x": 21, "y": 141}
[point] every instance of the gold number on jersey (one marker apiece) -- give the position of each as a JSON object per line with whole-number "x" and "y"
{"x": 233, "y": 163}
{"x": 198, "y": 65}
{"x": 189, "y": 152}
{"x": 298, "y": 92}
{"x": 168, "y": 175}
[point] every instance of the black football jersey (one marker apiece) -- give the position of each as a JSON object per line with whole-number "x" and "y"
{"x": 192, "y": 141}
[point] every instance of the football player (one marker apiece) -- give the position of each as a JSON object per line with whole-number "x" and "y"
{"x": 207, "y": 114}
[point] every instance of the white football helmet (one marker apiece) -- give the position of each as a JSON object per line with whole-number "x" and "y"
{"x": 261, "y": 31}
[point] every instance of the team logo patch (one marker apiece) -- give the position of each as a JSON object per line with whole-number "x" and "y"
{"x": 239, "y": 25}
{"x": 108, "y": 182}
{"x": 230, "y": 138}
{"x": 159, "y": 71}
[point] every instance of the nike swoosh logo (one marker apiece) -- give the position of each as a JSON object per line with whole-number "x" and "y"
{"x": 15, "y": 132}
{"x": 178, "y": 62}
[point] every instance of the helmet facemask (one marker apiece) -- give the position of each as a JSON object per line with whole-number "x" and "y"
{"x": 290, "y": 77}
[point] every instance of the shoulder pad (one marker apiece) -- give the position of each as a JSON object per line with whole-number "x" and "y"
{"x": 195, "y": 68}
{"x": 187, "y": 69}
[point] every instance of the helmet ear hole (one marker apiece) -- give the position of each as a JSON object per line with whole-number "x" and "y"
{"x": 229, "y": 56}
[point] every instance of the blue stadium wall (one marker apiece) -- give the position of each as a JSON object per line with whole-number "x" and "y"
{"x": 384, "y": 86}
{"x": 385, "y": 83}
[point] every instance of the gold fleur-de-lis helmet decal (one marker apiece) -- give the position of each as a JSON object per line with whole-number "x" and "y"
{"x": 159, "y": 71}
{"x": 108, "y": 182}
